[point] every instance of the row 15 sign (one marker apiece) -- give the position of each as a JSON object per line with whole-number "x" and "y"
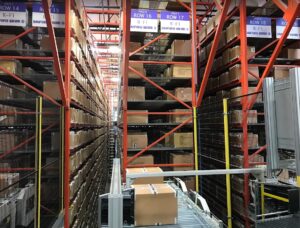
{"x": 171, "y": 22}
{"x": 57, "y": 15}
{"x": 13, "y": 14}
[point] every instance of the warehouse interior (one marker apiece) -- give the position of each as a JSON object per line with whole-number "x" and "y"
{"x": 144, "y": 113}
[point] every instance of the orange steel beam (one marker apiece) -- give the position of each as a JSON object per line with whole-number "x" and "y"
{"x": 292, "y": 13}
{"x": 30, "y": 86}
{"x": 244, "y": 101}
{"x": 263, "y": 49}
{"x": 160, "y": 62}
{"x": 8, "y": 42}
{"x": 218, "y": 4}
{"x": 100, "y": 11}
{"x": 162, "y": 165}
{"x": 125, "y": 64}
{"x": 26, "y": 141}
{"x": 213, "y": 52}
{"x": 57, "y": 66}
{"x": 258, "y": 152}
{"x": 66, "y": 181}
{"x": 105, "y": 33}
{"x": 159, "y": 113}
{"x": 281, "y": 5}
{"x": 158, "y": 140}
{"x": 184, "y": 5}
{"x": 159, "y": 87}
{"x": 147, "y": 44}
{"x": 108, "y": 24}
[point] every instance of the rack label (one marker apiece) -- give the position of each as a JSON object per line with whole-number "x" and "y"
{"x": 143, "y": 21}
{"x": 57, "y": 15}
{"x": 175, "y": 22}
{"x": 259, "y": 27}
{"x": 294, "y": 33}
{"x": 13, "y": 14}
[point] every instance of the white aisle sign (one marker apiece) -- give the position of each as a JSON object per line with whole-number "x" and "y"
{"x": 143, "y": 21}
{"x": 57, "y": 15}
{"x": 13, "y": 14}
{"x": 294, "y": 33}
{"x": 175, "y": 22}
{"x": 259, "y": 27}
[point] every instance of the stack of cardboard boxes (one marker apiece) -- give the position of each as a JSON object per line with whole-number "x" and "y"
{"x": 155, "y": 202}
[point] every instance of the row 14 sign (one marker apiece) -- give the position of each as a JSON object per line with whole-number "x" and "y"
{"x": 170, "y": 22}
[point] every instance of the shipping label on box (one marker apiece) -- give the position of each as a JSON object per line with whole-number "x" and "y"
{"x": 161, "y": 201}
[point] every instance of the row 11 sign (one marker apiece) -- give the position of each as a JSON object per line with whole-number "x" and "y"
{"x": 170, "y": 22}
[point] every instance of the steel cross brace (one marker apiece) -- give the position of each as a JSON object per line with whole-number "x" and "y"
{"x": 57, "y": 66}
{"x": 213, "y": 51}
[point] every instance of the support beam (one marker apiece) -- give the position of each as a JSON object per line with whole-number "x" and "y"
{"x": 213, "y": 52}
{"x": 57, "y": 66}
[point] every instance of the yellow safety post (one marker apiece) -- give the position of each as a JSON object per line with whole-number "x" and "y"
{"x": 227, "y": 163}
{"x": 38, "y": 162}
{"x": 61, "y": 160}
{"x": 196, "y": 146}
{"x": 262, "y": 202}
{"x": 298, "y": 181}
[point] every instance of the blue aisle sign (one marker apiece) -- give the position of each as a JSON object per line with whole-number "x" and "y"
{"x": 294, "y": 33}
{"x": 13, "y": 14}
{"x": 143, "y": 21}
{"x": 259, "y": 27}
{"x": 175, "y": 22}
{"x": 57, "y": 15}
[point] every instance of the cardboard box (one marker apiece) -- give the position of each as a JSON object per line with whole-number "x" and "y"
{"x": 137, "y": 66}
{"x": 181, "y": 71}
{"x": 190, "y": 183}
{"x": 181, "y": 47}
{"x": 182, "y": 158}
{"x": 167, "y": 96}
{"x": 134, "y": 46}
{"x": 137, "y": 119}
{"x": 7, "y": 179}
{"x": 237, "y": 116}
{"x": 233, "y": 30}
{"x": 235, "y": 52}
{"x": 184, "y": 94}
{"x": 235, "y": 73}
{"x": 179, "y": 140}
{"x": 237, "y": 92}
{"x": 17, "y": 44}
{"x": 155, "y": 204}
{"x": 45, "y": 43}
{"x": 146, "y": 180}
{"x": 237, "y": 140}
{"x": 141, "y": 160}
{"x": 51, "y": 88}
{"x": 179, "y": 118}
{"x": 137, "y": 140}
{"x": 11, "y": 65}
{"x": 293, "y": 53}
{"x": 281, "y": 73}
{"x": 136, "y": 93}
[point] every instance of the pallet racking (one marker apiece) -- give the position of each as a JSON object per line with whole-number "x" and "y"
{"x": 210, "y": 20}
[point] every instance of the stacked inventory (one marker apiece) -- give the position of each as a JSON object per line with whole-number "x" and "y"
{"x": 226, "y": 81}
{"x": 159, "y": 103}
{"x": 88, "y": 133}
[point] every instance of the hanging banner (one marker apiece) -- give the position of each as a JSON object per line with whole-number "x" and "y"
{"x": 175, "y": 22}
{"x": 259, "y": 27}
{"x": 143, "y": 21}
{"x": 294, "y": 33}
{"x": 13, "y": 14}
{"x": 57, "y": 15}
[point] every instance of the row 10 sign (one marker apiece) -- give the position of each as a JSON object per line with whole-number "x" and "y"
{"x": 170, "y": 22}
